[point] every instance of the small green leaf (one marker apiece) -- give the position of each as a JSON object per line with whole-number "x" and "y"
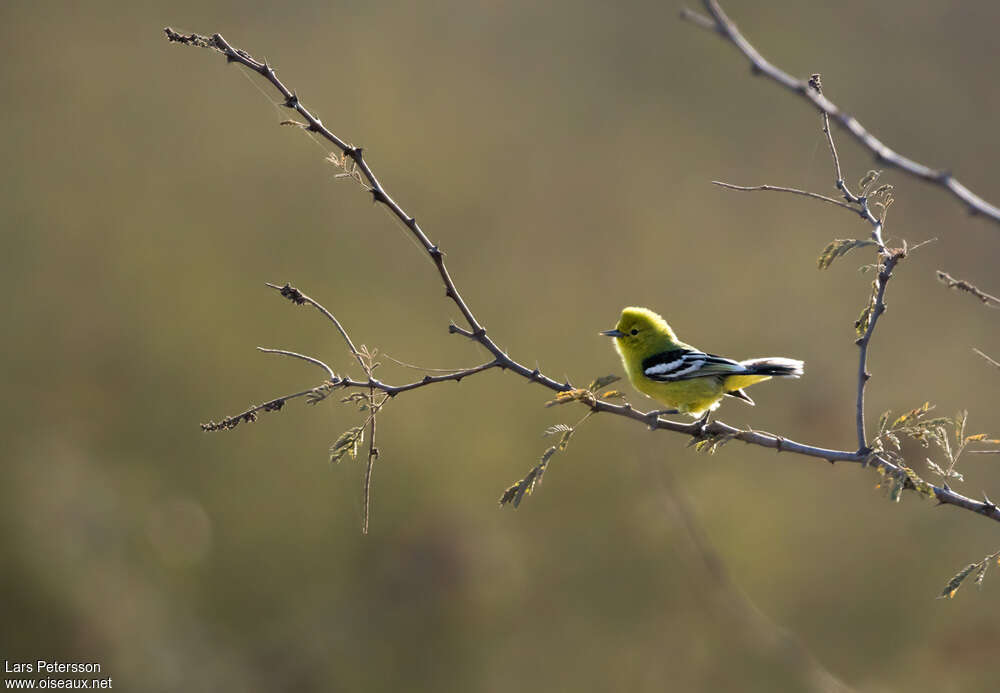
{"x": 347, "y": 444}
{"x": 919, "y": 485}
{"x": 868, "y": 180}
{"x": 861, "y": 324}
{"x": 838, "y": 248}
{"x": 897, "y": 489}
{"x": 981, "y": 573}
{"x": 603, "y": 381}
{"x": 564, "y": 440}
{"x": 956, "y": 581}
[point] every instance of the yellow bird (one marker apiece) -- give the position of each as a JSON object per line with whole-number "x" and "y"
{"x": 683, "y": 378}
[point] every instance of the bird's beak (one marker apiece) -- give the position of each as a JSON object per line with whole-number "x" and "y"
{"x": 613, "y": 333}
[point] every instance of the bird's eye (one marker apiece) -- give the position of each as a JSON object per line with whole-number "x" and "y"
{"x": 635, "y": 331}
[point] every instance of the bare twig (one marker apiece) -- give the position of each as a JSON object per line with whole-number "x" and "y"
{"x": 816, "y": 82}
{"x": 370, "y": 467}
{"x": 887, "y": 259}
{"x": 722, "y": 25}
{"x": 501, "y": 360}
{"x": 250, "y": 415}
{"x": 778, "y": 188}
{"x": 991, "y": 361}
{"x": 878, "y": 307}
{"x": 310, "y": 359}
{"x": 299, "y": 298}
{"x": 969, "y": 288}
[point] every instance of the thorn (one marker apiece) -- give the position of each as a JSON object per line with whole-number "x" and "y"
{"x": 943, "y": 176}
{"x": 411, "y": 222}
{"x": 867, "y": 377}
{"x": 315, "y": 124}
{"x": 755, "y": 69}
{"x": 378, "y": 195}
{"x": 435, "y": 252}
{"x": 535, "y": 373}
{"x": 427, "y": 378}
{"x": 832, "y": 461}
{"x": 459, "y": 378}
{"x": 292, "y": 101}
{"x": 779, "y": 443}
{"x": 988, "y": 504}
{"x": 946, "y": 487}
{"x": 859, "y": 341}
{"x": 230, "y": 58}
{"x": 448, "y": 293}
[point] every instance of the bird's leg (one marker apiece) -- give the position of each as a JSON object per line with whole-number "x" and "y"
{"x": 698, "y": 427}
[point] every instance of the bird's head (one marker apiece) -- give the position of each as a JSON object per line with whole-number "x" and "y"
{"x": 640, "y": 330}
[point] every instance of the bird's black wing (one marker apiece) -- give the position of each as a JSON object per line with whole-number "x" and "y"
{"x": 685, "y": 364}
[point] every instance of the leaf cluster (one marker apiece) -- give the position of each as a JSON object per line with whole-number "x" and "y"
{"x": 516, "y": 492}
{"x": 347, "y": 444}
{"x": 977, "y": 569}
{"x": 838, "y": 248}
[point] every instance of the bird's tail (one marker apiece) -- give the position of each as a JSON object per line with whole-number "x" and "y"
{"x": 782, "y": 367}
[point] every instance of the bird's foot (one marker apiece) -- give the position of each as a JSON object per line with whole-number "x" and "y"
{"x": 699, "y": 426}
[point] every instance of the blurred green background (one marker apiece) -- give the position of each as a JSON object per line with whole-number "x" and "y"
{"x": 561, "y": 154}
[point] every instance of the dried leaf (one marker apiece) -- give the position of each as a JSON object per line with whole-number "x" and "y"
{"x": 883, "y": 421}
{"x": 919, "y": 485}
{"x": 577, "y": 394}
{"x": 913, "y": 414}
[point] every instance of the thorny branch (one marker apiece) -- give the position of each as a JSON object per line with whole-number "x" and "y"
{"x": 722, "y": 25}
{"x": 969, "y": 288}
{"x": 887, "y": 259}
{"x": 477, "y": 333}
